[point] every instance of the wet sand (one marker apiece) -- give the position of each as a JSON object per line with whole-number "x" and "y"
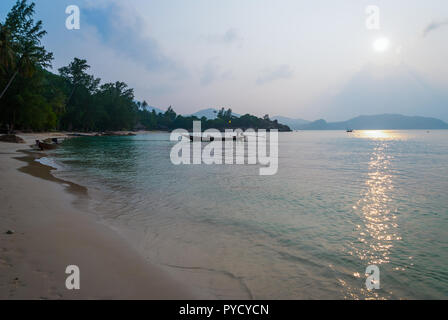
{"x": 50, "y": 233}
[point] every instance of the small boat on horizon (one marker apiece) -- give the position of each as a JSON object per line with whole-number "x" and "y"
{"x": 349, "y": 130}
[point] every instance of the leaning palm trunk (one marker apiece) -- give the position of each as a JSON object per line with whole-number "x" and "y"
{"x": 24, "y": 59}
{"x": 71, "y": 94}
{"x": 9, "y": 83}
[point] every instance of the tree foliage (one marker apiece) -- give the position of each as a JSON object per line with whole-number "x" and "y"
{"x": 23, "y": 58}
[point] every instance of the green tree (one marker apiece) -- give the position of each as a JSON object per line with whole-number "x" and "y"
{"x": 170, "y": 114}
{"x": 76, "y": 76}
{"x": 7, "y": 53}
{"x": 22, "y": 77}
{"x": 81, "y": 87}
{"x": 21, "y": 43}
{"x": 117, "y": 100}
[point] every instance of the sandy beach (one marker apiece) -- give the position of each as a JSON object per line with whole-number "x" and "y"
{"x": 49, "y": 233}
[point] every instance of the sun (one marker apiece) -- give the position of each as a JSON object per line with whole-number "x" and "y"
{"x": 381, "y": 44}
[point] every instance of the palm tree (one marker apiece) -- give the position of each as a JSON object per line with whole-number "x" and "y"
{"x": 26, "y": 66}
{"x": 7, "y": 53}
{"x": 20, "y": 48}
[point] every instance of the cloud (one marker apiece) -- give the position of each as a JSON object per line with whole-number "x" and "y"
{"x": 280, "y": 72}
{"x": 433, "y": 26}
{"x": 228, "y": 37}
{"x": 118, "y": 45}
{"x": 121, "y": 30}
{"x": 212, "y": 72}
{"x": 208, "y": 74}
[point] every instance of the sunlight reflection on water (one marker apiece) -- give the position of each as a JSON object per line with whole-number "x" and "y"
{"x": 380, "y": 135}
{"x": 379, "y": 229}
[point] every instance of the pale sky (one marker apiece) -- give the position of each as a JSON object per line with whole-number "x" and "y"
{"x": 302, "y": 59}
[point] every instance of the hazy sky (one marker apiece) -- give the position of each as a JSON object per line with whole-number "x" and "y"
{"x": 295, "y": 58}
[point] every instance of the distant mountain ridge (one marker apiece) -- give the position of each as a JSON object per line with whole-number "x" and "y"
{"x": 294, "y": 124}
{"x": 210, "y": 113}
{"x": 363, "y": 122}
{"x": 379, "y": 122}
{"x": 384, "y": 89}
{"x": 157, "y": 110}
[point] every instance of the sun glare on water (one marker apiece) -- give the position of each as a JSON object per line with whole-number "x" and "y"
{"x": 375, "y": 134}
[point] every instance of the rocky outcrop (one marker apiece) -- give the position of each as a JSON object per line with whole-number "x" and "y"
{"x": 12, "y": 138}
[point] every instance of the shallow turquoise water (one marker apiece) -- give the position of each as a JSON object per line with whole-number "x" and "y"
{"x": 339, "y": 203}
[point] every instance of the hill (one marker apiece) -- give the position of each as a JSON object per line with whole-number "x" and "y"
{"x": 157, "y": 110}
{"x": 294, "y": 124}
{"x": 384, "y": 89}
{"x": 378, "y": 122}
{"x": 210, "y": 113}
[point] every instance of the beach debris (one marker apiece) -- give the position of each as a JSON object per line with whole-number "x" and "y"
{"x": 46, "y": 146}
{"x": 78, "y": 135}
{"x": 108, "y": 133}
{"x": 116, "y": 134}
{"x": 10, "y": 232}
{"x": 12, "y": 138}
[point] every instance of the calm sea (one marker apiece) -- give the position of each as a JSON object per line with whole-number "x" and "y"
{"x": 339, "y": 203}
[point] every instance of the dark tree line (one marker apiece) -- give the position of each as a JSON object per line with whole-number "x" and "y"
{"x": 33, "y": 98}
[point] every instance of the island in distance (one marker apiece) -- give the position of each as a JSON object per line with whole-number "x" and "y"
{"x": 367, "y": 122}
{"x": 378, "y": 122}
{"x": 363, "y": 122}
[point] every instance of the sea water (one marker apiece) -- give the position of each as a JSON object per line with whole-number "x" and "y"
{"x": 338, "y": 203}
